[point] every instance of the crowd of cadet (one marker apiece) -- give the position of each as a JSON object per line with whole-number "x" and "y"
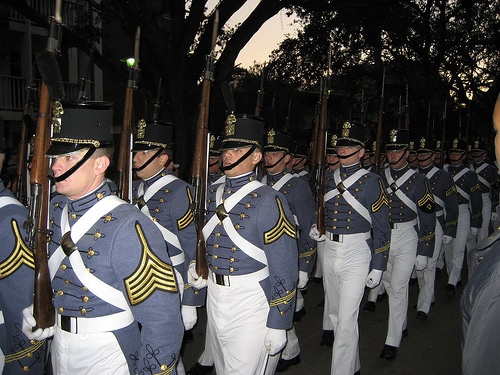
{"x": 124, "y": 277}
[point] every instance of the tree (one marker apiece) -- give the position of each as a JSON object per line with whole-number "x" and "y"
{"x": 440, "y": 49}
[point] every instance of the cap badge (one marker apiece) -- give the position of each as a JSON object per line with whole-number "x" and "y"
{"x": 393, "y": 135}
{"x": 270, "y": 136}
{"x": 141, "y": 128}
{"x": 455, "y": 143}
{"x": 57, "y": 111}
{"x": 230, "y": 121}
{"x": 345, "y": 129}
{"x": 333, "y": 140}
{"x": 422, "y": 142}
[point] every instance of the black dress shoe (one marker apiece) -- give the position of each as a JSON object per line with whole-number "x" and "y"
{"x": 321, "y": 304}
{"x": 297, "y": 315}
{"x": 199, "y": 369}
{"x": 405, "y": 332}
{"x": 284, "y": 364}
{"x": 327, "y": 338}
{"x": 450, "y": 290}
{"x": 459, "y": 284}
{"x": 414, "y": 281}
{"x": 370, "y": 306}
{"x": 421, "y": 315}
{"x": 357, "y": 372}
{"x": 389, "y": 352}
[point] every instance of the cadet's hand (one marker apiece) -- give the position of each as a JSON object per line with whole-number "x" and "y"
{"x": 315, "y": 235}
{"x": 194, "y": 279}
{"x": 373, "y": 278}
{"x": 473, "y": 231}
{"x": 189, "y": 316}
{"x": 275, "y": 340}
{"x": 447, "y": 239}
{"x": 420, "y": 262}
{"x": 29, "y": 322}
{"x": 303, "y": 279}
{"x": 494, "y": 216}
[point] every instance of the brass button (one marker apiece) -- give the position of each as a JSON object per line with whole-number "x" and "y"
{"x": 63, "y": 267}
{"x": 83, "y": 311}
{"x": 60, "y": 309}
{"x": 66, "y": 282}
{"x": 100, "y": 196}
{"x": 73, "y": 216}
{"x": 60, "y": 292}
{"x": 85, "y": 299}
{"x": 91, "y": 252}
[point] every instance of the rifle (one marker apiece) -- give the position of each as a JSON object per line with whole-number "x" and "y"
{"x": 200, "y": 161}
{"x": 157, "y": 105}
{"x": 407, "y": 111}
{"x": 124, "y": 159}
{"x": 21, "y": 167}
{"x": 260, "y": 93}
{"x": 378, "y": 139}
{"x": 37, "y": 223}
{"x": 314, "y": 138}
{"x": 85, "y": 80}
{"x": 443, "y": 135}
{"x": 320, "y": 149}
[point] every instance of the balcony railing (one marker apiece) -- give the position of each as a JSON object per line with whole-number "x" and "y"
{"x": 72, "y": 11}
{"x": 13, "y": 92}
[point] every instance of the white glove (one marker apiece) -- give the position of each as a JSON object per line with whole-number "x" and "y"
{"x": 189, "y": 316}
{"x": 315, "y": 235}
{"x": 447, "y": 239}
{"x": 194, "y": 279}
{"x": 420, "y": 262}
{"x": 29, "y": 322}
{"x": 373, "y": 278}
{"x": 303, "y": 279}
{"x": 473, "y": 231}
{"x": 275, "y": 340}
{"x": 494, "y": 216}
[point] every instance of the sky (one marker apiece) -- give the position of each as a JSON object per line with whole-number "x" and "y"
{"x": 266, "y": 39}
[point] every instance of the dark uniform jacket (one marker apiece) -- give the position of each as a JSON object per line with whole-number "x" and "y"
{"x": 417, "y": 189}
{"x": 127, "y": 251}
{"x": 341, "y": 218}
{"x": 263, "y": 218}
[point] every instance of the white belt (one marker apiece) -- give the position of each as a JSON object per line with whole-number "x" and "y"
{"x": 105, "y": 323}
{"x": 345, "y": 237}
{"x": 439, "y": 213}
{"x": 404, "y": 225}
{"x": 237, "y": 280}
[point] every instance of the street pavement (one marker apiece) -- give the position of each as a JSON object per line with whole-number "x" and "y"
{"x": 432, "y": 347}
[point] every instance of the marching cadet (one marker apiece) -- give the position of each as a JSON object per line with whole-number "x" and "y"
{"x": 166, "y": 200}
{"x": 299, "y": 160}
{"x": 446, "y": 199}
{"x": 487, "y": 175}
{"x": 469, "y": 212}
{"x": 22, "y": 355}
{"x": 332, "y": 163}
{"x": 301, "y": 201}
{"x": 122, "y": 317}
{"x": 413, "y": 220}
{"x": 205, "y": 363}
{"x": 252, "y": 256}
{"x": 215, "y": 175}
{"x": 355, "y": 206}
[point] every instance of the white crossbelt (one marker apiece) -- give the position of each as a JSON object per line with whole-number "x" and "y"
{"x": 461, "y": 191}
{"x": 400, "y": 181}
{"x": 346, "y": 194}
{"x": 243, "y": 244}
{"x": 98, "y": 287}
{"x": 481, "y": 178}
{"x": 169, "y": 236}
